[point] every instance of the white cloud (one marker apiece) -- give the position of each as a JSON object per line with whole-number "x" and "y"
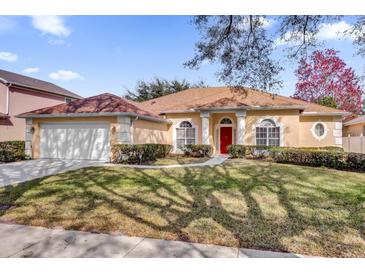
{"x": 8, "y": 56}
{"x": 31, "y": 70}
{"x": 6, "y": 23}
{"x": 335, "y": 31}
{"x": 266, "y": 22}
{"x": 289, "y": 39}
{"x": 65, "y": 75}
{"x": 330, "y": 31}
{"x": 53, "y": 25}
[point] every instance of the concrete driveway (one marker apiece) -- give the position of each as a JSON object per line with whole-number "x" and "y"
{"x": 19, "y": 172}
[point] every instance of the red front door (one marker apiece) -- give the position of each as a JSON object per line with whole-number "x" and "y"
{"x": 226, "y": 139}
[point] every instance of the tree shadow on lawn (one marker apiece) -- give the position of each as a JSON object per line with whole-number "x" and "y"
{"x": 186, "y": 204}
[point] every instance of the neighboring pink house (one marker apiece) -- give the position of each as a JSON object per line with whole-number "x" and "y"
{"x": 19, "y": 94}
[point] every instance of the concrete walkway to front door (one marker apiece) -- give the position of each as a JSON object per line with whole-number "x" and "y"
{"x": 26, "y": 241}
{"x": 18, "y": 172}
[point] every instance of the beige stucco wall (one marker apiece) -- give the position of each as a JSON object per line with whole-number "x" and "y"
{"x": 288, "y": 118}
{"x": 306, "y": 138}
{"x": 296, "y": 129}
{"x": 22, "y": 101}
{"x": 145, "y": 132}
{"x": 38, "y": 121}
{"x": 353, "y": 130}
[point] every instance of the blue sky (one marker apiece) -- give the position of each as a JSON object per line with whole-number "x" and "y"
{"x": 94, "y": 54}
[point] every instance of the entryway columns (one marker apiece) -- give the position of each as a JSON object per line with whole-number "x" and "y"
{"x": 205, "y": 127}
{"x": 241, "y": 125}
{"x": 124, "y": 130}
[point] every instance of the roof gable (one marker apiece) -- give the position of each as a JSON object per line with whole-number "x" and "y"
{"x": 33, "y": 83}
{"x": 104, "y": 103}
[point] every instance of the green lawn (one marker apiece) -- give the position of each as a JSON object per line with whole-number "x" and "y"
{"x": 254, "y": 204}
{"x": 179, "y": 160}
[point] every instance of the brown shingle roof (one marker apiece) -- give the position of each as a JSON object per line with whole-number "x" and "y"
{"x": 103, "y": 103}
{"x": 216, "y": 97}
{"x": 25, "y": 81}
{"x": 351, "y": 120}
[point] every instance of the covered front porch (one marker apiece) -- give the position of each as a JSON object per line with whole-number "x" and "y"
{"x": 222, "y": 128}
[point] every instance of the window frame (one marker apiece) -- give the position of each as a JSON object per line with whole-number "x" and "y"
{"x": 187, "y": 140}
{"x": 264, "y": 133}
{"x": 313, "y": 130}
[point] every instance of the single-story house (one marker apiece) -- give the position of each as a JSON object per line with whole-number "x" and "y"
{"x": 18, "y": 94}
{"x": 220, "y": 116}
{"x": 355, "y": 126}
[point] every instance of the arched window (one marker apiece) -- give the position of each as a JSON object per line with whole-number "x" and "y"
{"x": 185, "y": 134}
{"x": 226, "y": 121}
{"x": 267, "y": 133}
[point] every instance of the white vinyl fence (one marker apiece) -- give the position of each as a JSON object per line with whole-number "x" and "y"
{"x": 354, "y": 144}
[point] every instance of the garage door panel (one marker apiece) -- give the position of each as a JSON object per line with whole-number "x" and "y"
{"x": 75, "y": 141}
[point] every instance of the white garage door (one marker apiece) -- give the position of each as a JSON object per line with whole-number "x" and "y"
{"x": 86, "y": 141}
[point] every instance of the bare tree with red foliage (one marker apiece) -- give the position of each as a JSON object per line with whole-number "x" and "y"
{"x": 325, "y": 75}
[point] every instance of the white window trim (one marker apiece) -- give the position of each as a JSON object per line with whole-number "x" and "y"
{"x": 275, "y": 120}
{"x": 313, "y": 130}
{"x": 217, "y": 132}
{"x": 175, "y": 125}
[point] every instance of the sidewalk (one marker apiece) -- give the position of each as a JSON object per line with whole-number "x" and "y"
{"x": 26, "y": 241}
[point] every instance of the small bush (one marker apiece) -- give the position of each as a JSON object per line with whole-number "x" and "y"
{"x": 140, "y": 153}
{"x": 11, "y": 151}
{"x": 198, "y": 150}
{"x": 237, "y": 151}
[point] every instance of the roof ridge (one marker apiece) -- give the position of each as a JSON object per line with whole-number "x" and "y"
{"x": 21, "y": 80}
{"x": 178, "y": 92}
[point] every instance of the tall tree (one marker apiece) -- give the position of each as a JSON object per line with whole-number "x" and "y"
{"x": 324, "y": 77}
{"x": 159, "y": 87}
{"x": 243, "y": 47}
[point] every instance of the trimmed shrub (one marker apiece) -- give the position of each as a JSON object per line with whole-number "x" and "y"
{"x": 356, "y": 161}
{"x": 240, "y": 151}
{"x": 140, "y": 153}
{"x": 332, "y": 157}
{"x": 198, "y": 150}
{"x": 11, "y": 151}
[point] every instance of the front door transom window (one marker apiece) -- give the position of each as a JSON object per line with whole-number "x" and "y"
{"x": 267, "y": 133}
{"x": 226, "y": 121}
{"x": 185, "y": 134}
